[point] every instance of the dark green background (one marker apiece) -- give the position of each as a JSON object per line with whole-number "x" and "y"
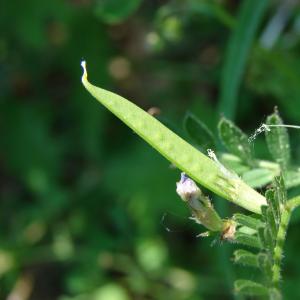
{"x": 82, "y": 197}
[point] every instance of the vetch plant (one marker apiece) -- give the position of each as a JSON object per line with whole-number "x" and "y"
{"x": 234, "y": 177}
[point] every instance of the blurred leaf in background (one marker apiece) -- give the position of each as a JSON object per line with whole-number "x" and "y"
{"x": 113, "y": 12}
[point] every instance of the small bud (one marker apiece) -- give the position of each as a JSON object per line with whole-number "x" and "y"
{"x": 187, "y": 188}
{"x": 229, "y": 230}
{"x": 200, "y": 206}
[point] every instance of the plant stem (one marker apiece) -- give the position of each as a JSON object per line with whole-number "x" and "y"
{"x": 278, "y": 250}
{"x": 294, "y": 202}
{"x": 281, "y": 235}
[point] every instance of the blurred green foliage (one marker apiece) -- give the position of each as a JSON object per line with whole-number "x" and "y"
{"x": 82, "y": 198}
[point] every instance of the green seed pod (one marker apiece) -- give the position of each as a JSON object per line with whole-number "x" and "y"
{"x": 198, "y": 166}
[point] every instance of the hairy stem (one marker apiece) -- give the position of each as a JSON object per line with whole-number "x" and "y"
{"x": 278, "y": 250}
{"x": 294, "y": 202}
{"x": 281, "y": 236}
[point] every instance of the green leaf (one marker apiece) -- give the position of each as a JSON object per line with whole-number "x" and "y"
{"x": 115, "y": 11}
{"x": 269, "y": 239}
{"x": 272, "y": 225}
{"x": 265, "y": 265}
{"x": 280, "y": 190}
{"x": 234, "y": 163}
{"x": 274, "y": 205}
{"x": 265, "y": 232}
{"x": 235, "y": 140}
{"x": 292, "y": 178}
{"x": 258, "y": 178}
{"x": 250, "y": 15}
{"x": 261, "y": 237}
{"x": 199, "y": 132}
{"x": 248, "y": 240}
{"x": 212, "y": 9}
{"x": 249, "y": 288}
{"x": 248, "y": 221}
{"x": 209, "y": 173}
{"x": 270, "y": 216}
{"x": 264, "y": 213}
{"x": 245, "y": 258}
{"x": 278, "y": 141}
{"x": 247, "y": 230}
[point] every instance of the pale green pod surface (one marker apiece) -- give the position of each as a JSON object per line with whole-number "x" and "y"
{"x": 187, "y": 158}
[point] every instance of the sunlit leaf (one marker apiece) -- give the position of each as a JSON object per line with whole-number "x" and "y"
{"x": 278, "y": 141}
{"x": 235, "y": 140}
{"x": 258, "y": 177}
{"x": 234, "y": 163}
